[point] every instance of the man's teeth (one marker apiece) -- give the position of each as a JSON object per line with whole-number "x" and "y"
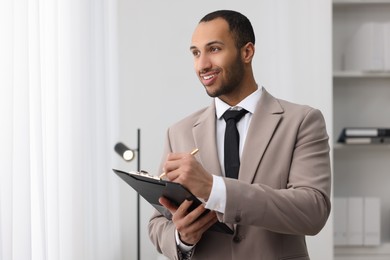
{"x": 208, "y": 77}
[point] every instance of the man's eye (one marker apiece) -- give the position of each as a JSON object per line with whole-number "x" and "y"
{"x": 214, "y": 49}
{"x": 195, "y": 53}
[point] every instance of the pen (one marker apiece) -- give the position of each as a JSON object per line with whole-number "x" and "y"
{"x": 192, "y": 153}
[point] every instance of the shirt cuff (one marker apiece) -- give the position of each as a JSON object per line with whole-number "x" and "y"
{"x": 217, "y": 198}
{"x": 183, "y": 248}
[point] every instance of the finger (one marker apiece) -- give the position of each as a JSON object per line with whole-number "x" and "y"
{"x": 170, "y": 167}
{"x": 191, "y": 234}
{"x": 176, "y": 156}
{"x": 204, "y": 223}
{"x": 175, "y": 169}
{"x": 197, "y": 212}
{"x": 182, "y": 210}
{"x": 168, "y": 204}
{"x": 174, "y": 162}
{"x": 185, "y": 221}
{"x": 209, "y": 220}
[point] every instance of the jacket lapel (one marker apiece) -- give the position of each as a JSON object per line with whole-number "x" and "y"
{"x": 204, "y": 133}
{"x": 263, "y": 124}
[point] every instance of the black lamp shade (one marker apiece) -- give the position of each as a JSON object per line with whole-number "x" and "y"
{"x": 126, "y": 153}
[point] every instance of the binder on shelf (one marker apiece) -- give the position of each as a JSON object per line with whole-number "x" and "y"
{"x": 367, "y": 140}
{"x": 366, "y": 49}
{"x": 151, "y": 188}
{"x": 340, "y": 221}
{"x": 387, "y": 43}
{"x": 364, "y": 135}
{"x": 372, "y": 221}
{"x": 355, "y": 221}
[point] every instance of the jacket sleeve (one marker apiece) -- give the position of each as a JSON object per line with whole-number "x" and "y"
{"x": 161, "y": 230}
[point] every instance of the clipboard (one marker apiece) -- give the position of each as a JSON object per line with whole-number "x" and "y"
{"x": 151, "y": 188}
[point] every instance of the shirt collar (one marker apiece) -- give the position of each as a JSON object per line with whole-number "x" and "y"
{"x": 249, "y": 103}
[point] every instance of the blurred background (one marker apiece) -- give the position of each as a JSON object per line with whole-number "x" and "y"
{"x": 78, "y": 76}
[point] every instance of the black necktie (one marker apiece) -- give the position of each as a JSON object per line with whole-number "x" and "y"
{"x": 232, "y": 141}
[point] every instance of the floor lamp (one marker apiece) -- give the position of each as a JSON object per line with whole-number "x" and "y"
{"x": 128, "y": 155}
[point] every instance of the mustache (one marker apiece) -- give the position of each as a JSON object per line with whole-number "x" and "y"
{"x": 204, "y": 71}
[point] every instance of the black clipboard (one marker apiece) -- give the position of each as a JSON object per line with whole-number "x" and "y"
{"x": 152, "y": 188}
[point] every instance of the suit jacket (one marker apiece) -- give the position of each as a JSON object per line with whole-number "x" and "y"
{"x": 282, "y": 192}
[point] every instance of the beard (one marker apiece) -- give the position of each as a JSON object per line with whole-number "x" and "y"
{"x": 234, "y": 75}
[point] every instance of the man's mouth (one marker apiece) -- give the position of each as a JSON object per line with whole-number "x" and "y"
{"x": 209, "y": 78}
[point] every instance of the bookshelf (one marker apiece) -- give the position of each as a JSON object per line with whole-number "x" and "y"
{"x": 361, "y": 98}
{"x": 360, "y": 74}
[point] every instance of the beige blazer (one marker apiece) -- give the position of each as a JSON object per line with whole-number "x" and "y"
{"x": 283, "y": 189}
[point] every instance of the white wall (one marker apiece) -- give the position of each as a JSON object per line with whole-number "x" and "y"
{"x": 159, "y": 86}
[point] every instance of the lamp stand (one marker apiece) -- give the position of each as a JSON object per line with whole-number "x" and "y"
{"x": 138, "y": 197}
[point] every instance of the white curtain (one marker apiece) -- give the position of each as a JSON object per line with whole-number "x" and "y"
{"x": 58, "y": 93}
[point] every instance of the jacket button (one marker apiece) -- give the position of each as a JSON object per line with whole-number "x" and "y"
{"x": 236, "y": 239}
{"x": 237, "y": 219}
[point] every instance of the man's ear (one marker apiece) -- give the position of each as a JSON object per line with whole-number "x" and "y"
{"x": 247, "y": 52}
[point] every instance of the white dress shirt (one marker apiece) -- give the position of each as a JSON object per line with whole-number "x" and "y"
{"x": 217, "y": 199}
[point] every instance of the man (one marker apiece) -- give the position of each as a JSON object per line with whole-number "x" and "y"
{"x": 282, "y": 190}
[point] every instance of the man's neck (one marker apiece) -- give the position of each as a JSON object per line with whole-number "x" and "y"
{"x": 236, "y": 97}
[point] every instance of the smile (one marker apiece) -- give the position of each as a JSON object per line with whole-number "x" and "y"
{"x": 209, "y": 74}
{"x": 208, "y": 77}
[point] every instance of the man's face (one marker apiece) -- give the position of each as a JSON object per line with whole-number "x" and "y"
{"x": 217, "y": 61}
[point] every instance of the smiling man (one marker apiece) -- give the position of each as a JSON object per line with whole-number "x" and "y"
{"x": 222, "y": 63}
{"x": 263, "y": 165}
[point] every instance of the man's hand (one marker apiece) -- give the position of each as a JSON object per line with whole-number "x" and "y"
{"x": 183, "y": 168}
{"x": 188, "y": 225}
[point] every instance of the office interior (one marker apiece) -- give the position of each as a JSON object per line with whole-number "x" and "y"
{"x": 81, "y": 76}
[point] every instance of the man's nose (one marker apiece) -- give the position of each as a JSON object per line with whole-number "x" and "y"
{"x": 203, "y": 63}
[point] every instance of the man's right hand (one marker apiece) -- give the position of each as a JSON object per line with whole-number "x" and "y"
{"x": 188, "y": 224}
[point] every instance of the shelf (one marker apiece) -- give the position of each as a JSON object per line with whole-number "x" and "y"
{"x": 339, "y": 146}
{"x": 348, "y": 2}
{"x": 382, "y": 250}
{"x": 361, "y": 91}
{"x": 361, "y": 74}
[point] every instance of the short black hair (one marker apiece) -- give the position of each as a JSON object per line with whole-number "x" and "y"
{"x": 239, "y": 25}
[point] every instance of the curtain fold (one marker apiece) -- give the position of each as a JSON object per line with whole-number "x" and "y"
{"x": 58, "y": 196}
